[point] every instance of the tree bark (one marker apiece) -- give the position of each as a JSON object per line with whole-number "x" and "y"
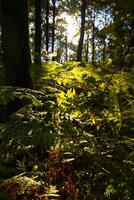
{"x": 0, "y": 36}
{"x": 47, "y": 25}
{"x": 53, "y": 27}
{"x": 80, "y": 45}
{"x": 37, "y": 58}
{"x": 15, "y": 43}
{"x": 66, "y": 47}
{"x": 104, "y": 41}
{"x": 93, "y": 35}
{"x": 87, "y": 48}
{"x": 131, "y": 46}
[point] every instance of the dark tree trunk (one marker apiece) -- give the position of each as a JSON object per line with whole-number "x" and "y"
{"x": 118, "y": 55}
{"x": 15, "y": 43}
{"x": 131, "y": 45}
{"x": 37, "y": 58}
{"x": 104, "y": 50}
{"x": 93, "y": 36}
{"x": 47, "y": 25}
{"x": 87, "y": 48}
{"x": 104, "y": 42}
{"x": 80, "y": 45}
{"x": 66, "y": 47}
{"x": 0, "y": 37}
{"x": 53, "y": 27}
{"x": 0, "y": 14}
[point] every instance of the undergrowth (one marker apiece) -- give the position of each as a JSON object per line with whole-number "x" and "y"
{"x": 73, "y": 132}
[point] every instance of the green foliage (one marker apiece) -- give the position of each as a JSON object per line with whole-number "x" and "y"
{"x": 75, "y": 130}
{"x": 126, "y": 5}
{"x": 32, "y": 124}
{"x": 4, "y": 195}
{"x": 87, "y": 118}
{"x": 81, "y": 115}
{"x": 109, "y": 191}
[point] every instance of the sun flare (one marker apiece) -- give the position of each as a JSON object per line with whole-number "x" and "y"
{"x": 72, "y": 29}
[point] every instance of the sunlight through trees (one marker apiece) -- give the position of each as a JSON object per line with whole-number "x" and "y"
{"x": 67, "y": 99}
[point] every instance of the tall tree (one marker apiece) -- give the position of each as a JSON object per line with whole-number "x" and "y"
{"x": 0, "y": 37}
{"x": 131, "y": 41}
{"x": 53, "y": 25}
{"x": 104, "y": 41}
{"x": 93, "y": 35}
{"x": 15, "y": 43}
{"x": 47, "y": 25}
{"x": 66, "y": 47}
{"x": 37, "y": 58}
{"x": 80, "y": 45}
{"x": 87, "y": 47}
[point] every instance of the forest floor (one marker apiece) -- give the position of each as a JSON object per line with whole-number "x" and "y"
{"x": 73, "y": 136}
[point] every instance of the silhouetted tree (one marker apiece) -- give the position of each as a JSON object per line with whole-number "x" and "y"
{"x": 93, "y": 35}
{"x": 47, "y": 25}
{"x": 80, "y": 45}
{"x": 37, "y": 58}
{"x": 53, "y": 25}
{"x": 15, "y": 43}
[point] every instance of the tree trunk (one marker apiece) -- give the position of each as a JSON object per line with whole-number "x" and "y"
{"x": 47, "y": 25}
{"x": 37, "y": 58}
{"x": 0, "y": 37}
{"x": 0, "y": 16}
{"x": 80, "y": 45}
{"x": 104, "y": 41}
{"x": 87, "y": 48}
{"x": 93, "y": 36}
{"x": 15, "y": 43}
{"x": 131, "y": 46}
{"x": 53, "y": 27}
{"x": 104, "y": 50}
{"x": 66, "y": 47}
